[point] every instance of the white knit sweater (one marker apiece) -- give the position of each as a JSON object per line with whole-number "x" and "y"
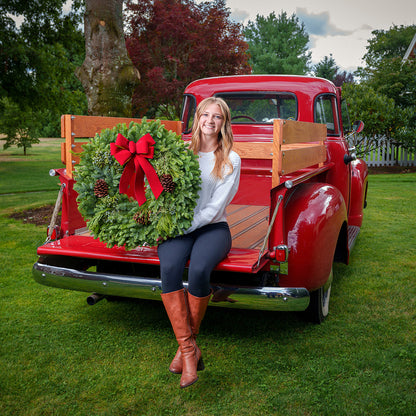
{"x": 215, "y": 194}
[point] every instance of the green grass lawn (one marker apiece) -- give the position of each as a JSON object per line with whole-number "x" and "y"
{"x": 59, "y": 356}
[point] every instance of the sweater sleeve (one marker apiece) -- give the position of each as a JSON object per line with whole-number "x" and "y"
{"x": 223, "y": 194}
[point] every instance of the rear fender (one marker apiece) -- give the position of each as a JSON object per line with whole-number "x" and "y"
{"x": 313, "y": 217}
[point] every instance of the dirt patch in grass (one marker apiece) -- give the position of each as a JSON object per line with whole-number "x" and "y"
{"x": 391, "y": 169}
{"x": 37, "y": 216}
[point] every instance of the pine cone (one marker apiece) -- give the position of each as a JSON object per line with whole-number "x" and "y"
{"x": 167, "y": 183}
{"x": 101, "y": 188}
{"x": 141, "y": 218}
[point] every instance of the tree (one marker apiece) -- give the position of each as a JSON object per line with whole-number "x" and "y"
{"x": 175, "y": 42}
{"x": 376, "y": 110}
{"x": 278, "y": 45}
{"x": 20, "y": 129}
{"x": 386, "y": 44}
{"x": 107, "y": 74}
{"x": 383, "y": 119}
{"x": 326, "y": 68}
{"x": 396, "y": 79}
{"x": 38, "y": 58}
{"x": 342, "y": 78}
{"x": 387, "y": 74}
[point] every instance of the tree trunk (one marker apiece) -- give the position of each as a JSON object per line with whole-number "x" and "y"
{"x": 107, "y": 74}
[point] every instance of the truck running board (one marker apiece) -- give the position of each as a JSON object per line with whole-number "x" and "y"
{"x": 353, "y": 232}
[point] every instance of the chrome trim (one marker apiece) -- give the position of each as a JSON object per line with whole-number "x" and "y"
{"x": 259, "y": 298}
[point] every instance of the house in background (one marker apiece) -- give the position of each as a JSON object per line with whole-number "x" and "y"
{"x": 411, "y": 50}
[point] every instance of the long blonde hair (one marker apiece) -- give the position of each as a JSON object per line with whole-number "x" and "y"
{"x": 225, "y": 137}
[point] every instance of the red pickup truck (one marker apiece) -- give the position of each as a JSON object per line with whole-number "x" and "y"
{"x": 298, "y": 209}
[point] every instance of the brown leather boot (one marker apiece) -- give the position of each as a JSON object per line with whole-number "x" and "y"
{"x": 197, "y": 308}
{"x": 176, "y": 306}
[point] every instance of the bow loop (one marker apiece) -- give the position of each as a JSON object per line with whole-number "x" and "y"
{"x": 134, "y": 156}
{"x": 144, "y": 146}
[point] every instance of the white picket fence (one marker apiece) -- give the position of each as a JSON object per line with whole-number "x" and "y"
{"x": 389, "y": 154}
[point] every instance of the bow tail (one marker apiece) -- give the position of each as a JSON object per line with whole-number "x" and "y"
{"x": 139, "y": 192}
{"x": 152, "y": 177}
{"x": 126, "y": 185}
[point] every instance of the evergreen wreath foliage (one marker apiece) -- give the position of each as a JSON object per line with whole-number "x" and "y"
{"x": 113, "y": 217}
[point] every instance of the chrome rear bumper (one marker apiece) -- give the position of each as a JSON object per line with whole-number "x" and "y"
{"x": 259, "y": 298}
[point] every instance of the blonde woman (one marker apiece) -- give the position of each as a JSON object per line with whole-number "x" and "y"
{"x": 206, "y": 242}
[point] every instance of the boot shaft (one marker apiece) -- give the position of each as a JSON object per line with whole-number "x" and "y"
{"x": 176, "y": 305}
{"x": 197, "y": 308}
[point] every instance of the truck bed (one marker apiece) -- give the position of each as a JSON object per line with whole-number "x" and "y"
{"x": 248, "y": 225}
{"x": 248, "y": 228}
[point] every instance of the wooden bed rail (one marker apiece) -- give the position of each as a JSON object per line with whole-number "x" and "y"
{"x": 295, "y": 145}
{"x": 87, "y": 127}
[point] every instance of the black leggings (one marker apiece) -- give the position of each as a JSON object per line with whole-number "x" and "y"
{"x": 204, "y": 247}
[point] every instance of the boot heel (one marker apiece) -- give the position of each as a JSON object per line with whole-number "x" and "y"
{"x": 200, "y": 365}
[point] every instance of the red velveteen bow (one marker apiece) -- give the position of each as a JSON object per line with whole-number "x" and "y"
{"x": 135, "y": 155}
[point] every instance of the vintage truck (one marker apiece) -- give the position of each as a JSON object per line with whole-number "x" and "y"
{"x": 298, "y": 209}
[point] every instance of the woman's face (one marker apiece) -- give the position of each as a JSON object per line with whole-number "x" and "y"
{"x": 211, "y": 120}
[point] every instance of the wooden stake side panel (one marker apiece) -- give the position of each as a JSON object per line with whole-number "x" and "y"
{"x": 296, "y": 145}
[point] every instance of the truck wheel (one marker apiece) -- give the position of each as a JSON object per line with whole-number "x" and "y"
{"x": 318, "y": 308}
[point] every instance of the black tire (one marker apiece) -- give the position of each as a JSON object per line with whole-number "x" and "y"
{"x": 318, "y": 308}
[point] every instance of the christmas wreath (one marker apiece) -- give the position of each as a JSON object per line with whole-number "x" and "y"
{"x": 137, "y": 185}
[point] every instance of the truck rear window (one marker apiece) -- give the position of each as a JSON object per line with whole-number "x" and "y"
{"x": 260, "y": 107}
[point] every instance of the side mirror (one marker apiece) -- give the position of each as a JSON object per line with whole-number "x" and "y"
{"x": 358, "y": 126}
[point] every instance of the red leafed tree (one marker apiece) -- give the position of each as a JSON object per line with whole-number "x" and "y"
{"x": 173, "y": 42}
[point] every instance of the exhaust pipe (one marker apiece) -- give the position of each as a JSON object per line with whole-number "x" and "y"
{"x": 94, "y": 298}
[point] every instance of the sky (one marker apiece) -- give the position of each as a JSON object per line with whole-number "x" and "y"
{"x": 340, "y": 27}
